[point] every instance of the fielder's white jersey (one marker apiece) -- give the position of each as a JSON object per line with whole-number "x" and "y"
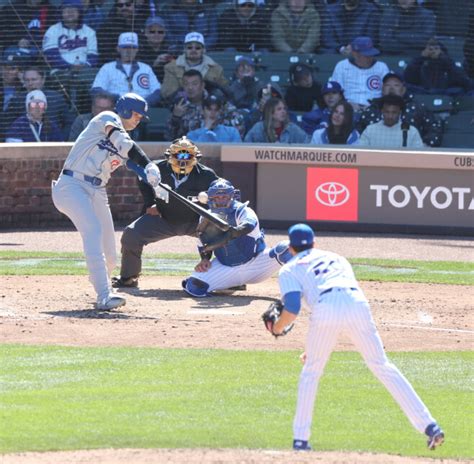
{"x": 94, "y": 154}
{"x": 313, "y": 271}
{"x": 138, "y": 78}
{"x": 360, "y": 85}
{"x": 74, "y": 44}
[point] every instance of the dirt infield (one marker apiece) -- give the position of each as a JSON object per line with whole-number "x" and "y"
{"x": 52, "y": 310}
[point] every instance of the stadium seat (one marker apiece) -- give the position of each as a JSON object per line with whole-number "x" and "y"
{"x": 464, "y": 103}
{"x": 156, "y": 128}
{"x": 458, "y": 140}
{"x": 436, "y": 103}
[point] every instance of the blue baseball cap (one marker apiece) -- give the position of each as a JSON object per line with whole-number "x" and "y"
{"x": 300, "y": 234}
{"x": 332, "y": 87}
{"x": 364, "y": 46}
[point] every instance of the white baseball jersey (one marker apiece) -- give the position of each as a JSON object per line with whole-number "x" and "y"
{"x": 360, "y": 85}
{"x": 337, "y": 304}
{"x": 117, "y": 79}
{"x": 379, "y": 135}
{"x": 94, "y": 154}
{"x": 74, "y": 44}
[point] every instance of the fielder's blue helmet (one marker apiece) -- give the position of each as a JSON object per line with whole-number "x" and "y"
{"x": 130, "y": 102}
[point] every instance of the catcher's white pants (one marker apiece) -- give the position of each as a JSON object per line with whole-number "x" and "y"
{"x": 345, "y": 310}
{"x": 220, "y": 277}
{"x": 88, "y": 208}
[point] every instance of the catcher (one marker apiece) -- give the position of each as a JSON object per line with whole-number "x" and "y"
{"x": 241, "y": 256}
{"x": 183, "y": 172}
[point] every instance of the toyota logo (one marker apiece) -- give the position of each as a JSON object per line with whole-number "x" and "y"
{"x": 332, "y": 194}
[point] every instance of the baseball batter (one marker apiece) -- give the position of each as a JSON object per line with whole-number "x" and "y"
{"x": 328, "y": 286}
{"x": 80, "y": 192}
{"x": 242, "y": 256}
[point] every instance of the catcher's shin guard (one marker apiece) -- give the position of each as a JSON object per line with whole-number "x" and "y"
{"x": 195, "y": 287}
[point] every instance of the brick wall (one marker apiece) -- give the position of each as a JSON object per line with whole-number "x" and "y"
{"x": 26, "y": 172}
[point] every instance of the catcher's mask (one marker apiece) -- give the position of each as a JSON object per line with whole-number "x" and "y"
{"x": 182, "y": 154}
{"x": 221, "y": 196}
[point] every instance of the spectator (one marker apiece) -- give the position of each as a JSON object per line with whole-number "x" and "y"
{"x": 429, "y": 126}
{"x": 304, "y": 93}
{"x": 245, "y": 27}
{"x": 190, "y": 15}
{"x": 469, "y": 45}
{"x": 243, "y": 89}
{"x": 96, "y": 12}
{"x": 276, "y": 126}
{"x": 340, "y": 130}
{"x": 212, "y": 130}
{"x": 154, "y": 49}
{"x": 405, "y": 28}
{"x": 347, "y": 19}
{"x": 128, "y": 15}
{"x": 10, "y": 86}
{"x": 102, "y": 101}
{"x": 390, "y": 132}
{"x": 128, "y": 75}
{"x": 435, "y": 72}
{"x": 70, "y": 44}
{"x": 361, "y": 75}
{"x": 295, "y": 27}
{"x": 34, "y": 125}
{"x": 332, "y": 94}
{"x": 23, "y": 23}
{"x": 194, "y": 57}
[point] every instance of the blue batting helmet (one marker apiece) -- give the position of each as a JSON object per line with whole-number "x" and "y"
{"x": 221, "y": 195}
{"x": 130, "y": 102}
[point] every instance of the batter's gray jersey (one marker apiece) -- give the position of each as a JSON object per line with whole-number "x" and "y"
{"x": 96, "y": 155}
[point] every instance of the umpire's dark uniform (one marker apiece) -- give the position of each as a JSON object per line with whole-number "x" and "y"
{"x": 175, "y": 219}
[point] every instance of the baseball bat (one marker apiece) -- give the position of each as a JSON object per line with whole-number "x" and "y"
{"x": 217, "y": 221}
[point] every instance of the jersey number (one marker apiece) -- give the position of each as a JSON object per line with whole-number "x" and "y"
{"x": 325, "y": 267}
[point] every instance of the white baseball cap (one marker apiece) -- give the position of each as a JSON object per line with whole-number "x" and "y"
{"x": 35, "y": 95}
{"x": 194, "y": 37}
{"x": 128, "y": 39}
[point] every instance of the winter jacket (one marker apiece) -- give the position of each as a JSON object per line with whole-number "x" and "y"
{"x": 244, "y": 34}
{"x": 220, "y": 133}
{"x": 291, "y": 134}
{"x": 406, "y": 31}
{"x": 174, "y": 71}
{"x": 320, "y": 137}
{"x": 439, "y": 75}
{"x": 295, "y": 34}
{"x": 341, "y": 27}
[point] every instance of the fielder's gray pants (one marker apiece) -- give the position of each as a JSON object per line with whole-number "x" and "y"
{"x": 147, "y": 229}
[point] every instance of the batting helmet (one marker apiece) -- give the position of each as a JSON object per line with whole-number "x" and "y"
{"x": 130, "y": 102}
{"x": 221, "y": 195}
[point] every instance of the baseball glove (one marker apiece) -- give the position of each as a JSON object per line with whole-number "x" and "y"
{"x": 271, "y": 316}
{"x": 212, "y": 237}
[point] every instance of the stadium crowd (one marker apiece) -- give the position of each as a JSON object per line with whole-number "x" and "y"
{"x": 383, "y": 73}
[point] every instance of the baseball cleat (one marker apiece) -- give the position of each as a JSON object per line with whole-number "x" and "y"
{"x": 118, "y": 282}
{"x": 301, "y": 445}
{"x": 435, "y": 436}
{"x": 111, "y": 302}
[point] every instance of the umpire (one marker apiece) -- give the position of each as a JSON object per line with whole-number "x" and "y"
{"x": 182, "y": 171}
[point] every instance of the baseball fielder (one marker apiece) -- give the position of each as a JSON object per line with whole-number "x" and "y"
{"x": 80, "y": 192}
{"x": 241, "y": 256}
{"x": 327, "y": 283}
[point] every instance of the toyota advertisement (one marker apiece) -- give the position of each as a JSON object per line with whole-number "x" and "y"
{"x": 390, "y": 196}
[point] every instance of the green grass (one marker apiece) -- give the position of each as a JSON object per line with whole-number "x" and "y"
{"x": 59, "y": 398}
{"x": 387, "y": 270}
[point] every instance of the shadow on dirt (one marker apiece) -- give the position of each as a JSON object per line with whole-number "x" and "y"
{"x": 95, "y": 314}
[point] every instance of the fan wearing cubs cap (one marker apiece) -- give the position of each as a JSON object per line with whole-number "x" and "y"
{"x": 337, "y": 304}
{"x": 126, "y": 74}
{"x": 80, "y": 192}
{"x": 193, "y": 57}
{"x": 183, "y": 172}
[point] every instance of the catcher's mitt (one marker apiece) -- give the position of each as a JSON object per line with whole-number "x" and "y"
{"x": 212, "y": 237}
{"x": 271, "y": 316}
